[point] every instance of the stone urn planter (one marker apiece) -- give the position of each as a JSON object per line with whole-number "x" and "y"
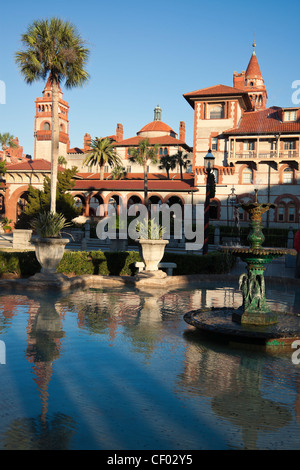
{"x": 49, "y": 252}
{"x": 152, "y": 252}
{"x": 49, "y": 245}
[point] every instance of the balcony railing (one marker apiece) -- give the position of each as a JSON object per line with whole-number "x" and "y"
{"x": 251, "y": 154}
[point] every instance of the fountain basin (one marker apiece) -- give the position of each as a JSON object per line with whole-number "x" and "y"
{"x": 255, "y": 310}
{"x": 218, "y": 322}
{"x": 266, "y": 254}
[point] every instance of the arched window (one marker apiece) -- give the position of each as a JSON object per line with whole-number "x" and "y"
{"x": 46, "y": 126}
{"x": 288, "y": 176}
{"x": 247, "y": 176}
{"x": 165, "y": 151}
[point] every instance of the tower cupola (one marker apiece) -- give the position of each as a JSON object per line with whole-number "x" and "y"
{"x": 253, "y": 82}
{"x": 157, "y": 113}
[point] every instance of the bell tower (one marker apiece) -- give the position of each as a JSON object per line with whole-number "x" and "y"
{"x": 252, "y": 81}
{"x": 42, "y": 124}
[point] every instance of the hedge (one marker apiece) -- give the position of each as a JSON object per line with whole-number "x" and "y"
{"x": 107, "y": 263}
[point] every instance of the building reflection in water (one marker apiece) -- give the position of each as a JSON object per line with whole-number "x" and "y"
{"x": 44, "y": 333}
{"x": 147, "y": 320}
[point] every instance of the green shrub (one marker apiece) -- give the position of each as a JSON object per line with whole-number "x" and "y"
{"x": 107, "y": 263}
{"x": 104, "y": 263}
{"x": 19, "y": 263}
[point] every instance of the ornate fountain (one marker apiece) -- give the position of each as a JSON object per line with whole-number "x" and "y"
{"x": 254, "y": 321}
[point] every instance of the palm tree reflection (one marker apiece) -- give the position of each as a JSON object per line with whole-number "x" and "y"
{"x": 44, "y": 341}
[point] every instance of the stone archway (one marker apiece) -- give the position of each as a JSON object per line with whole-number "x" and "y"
{"x": 134, "y": 199}
{"x": 92, "y": 206}
{"x": 80, "y": 203}
{"x": 21, "y": 204}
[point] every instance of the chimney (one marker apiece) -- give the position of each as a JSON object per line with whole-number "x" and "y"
{"x": 182, "y": 131}
{"x": 239, "y": 80}
{"x": 87, "y": 142}
{"x": 119, "y": 132}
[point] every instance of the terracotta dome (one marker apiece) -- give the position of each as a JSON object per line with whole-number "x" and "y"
{"x": 157, "y": 126}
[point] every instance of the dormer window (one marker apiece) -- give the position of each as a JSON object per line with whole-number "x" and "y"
{"x": 216, "y": 111}
{"x": 290, "y": 115}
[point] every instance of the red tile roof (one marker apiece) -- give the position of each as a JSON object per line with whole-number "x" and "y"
{"x": 217, "y": 90}
{"x": 139, "y": 176}
{"x": 134, "y": 185}
{"x": 76, "y": 150}
{"x": 162, "y": 140}
{"x": 264, "y": 122}
{"x": 253, "y": 70}
{"x": 48, "y": 85}
{"x": 32, "y": 165}
{"x": 156, "y": 126}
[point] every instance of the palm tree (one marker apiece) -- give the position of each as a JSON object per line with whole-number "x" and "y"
{"x": 102, "y": 153}
{"x": 167, "y": 162}
{"x": 182, "y": 160}
{"x": 7, "y": 140}
{"x": 53, "y": 49}
{"x": 143, "y": 155}
{"x": 118, "y": 173}
{"x": 61, "y": 160}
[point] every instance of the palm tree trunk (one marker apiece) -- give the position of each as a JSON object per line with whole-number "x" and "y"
{"x": 54, "y": 145}
{"x": 101, "y": 172}
{"x": 145, "y": 184}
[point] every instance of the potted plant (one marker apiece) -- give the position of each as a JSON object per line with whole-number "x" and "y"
{"x": 49, "y": 245}
{"x": 152, "y": 244}
{"x": 6, "y": 225}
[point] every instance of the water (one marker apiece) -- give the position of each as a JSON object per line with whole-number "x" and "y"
{"x": 117, "y": 370}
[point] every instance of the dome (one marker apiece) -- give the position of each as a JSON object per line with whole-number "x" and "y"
{"x": 156, "y": 126}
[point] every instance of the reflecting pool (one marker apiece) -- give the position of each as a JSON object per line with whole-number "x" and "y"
{"x": 119, "y": 369}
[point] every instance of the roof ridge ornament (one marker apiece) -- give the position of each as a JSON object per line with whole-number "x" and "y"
{"x": 254, "y": 46}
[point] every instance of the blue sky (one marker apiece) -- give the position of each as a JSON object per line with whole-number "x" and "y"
{"x": 149, "y": 53}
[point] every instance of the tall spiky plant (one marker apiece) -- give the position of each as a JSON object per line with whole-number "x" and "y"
{"x": 143, "y": 155}
{"x": 53, "y": 49}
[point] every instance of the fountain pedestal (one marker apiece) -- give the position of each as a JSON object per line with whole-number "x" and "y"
{"x": 253, "y": 322}
{"x": 255, "y": 310}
